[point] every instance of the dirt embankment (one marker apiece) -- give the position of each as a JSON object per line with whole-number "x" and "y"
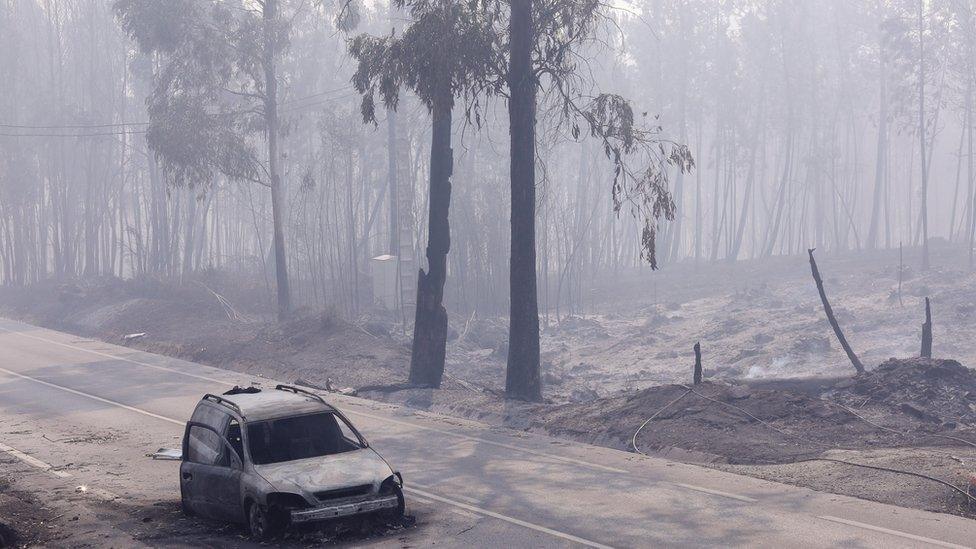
{"x": 912, "y": 402}
{"x": 215, "y": 322}
{"x": 878, "y": 435}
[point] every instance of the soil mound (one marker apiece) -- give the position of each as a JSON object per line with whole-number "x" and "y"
{"x": 907, "y": 402}
{"x": 715, "y": 422}
{"x": 930, "y": 390}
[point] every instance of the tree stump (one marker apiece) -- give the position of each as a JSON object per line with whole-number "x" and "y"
{"x": 698, "y": 364}
{"x": 927, "y": 332}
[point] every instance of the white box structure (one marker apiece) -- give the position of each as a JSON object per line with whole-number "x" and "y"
{"x": 384, "y": 271}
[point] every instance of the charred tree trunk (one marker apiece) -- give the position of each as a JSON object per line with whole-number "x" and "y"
{"x": 271, "y": 119}
{"x": 927, "y": 332}
{"x": 831, "y": 318}
{"x": 522, "y": 379}
{"x": 430, "y": 322}
{"x": 698, "y": 364}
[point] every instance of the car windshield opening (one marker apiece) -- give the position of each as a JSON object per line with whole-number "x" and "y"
{"x": 299, "y": 437}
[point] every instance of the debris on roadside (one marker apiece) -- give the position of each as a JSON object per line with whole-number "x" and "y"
{"x": 127, "y": 338}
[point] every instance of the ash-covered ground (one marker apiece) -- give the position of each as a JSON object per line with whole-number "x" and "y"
{"x": 779, "y": 396}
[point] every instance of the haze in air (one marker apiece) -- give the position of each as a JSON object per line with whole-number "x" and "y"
{"x": 731, "y": 233}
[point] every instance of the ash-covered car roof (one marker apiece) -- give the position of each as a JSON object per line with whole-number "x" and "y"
{"x": 272, "y": 403}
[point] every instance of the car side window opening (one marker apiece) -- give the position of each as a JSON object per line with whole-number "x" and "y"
{"x": 347, "y": 431}
{"x": 299, "y": 437}
{"x": 205, "y": 447}
{"x": 211, "y": 416}
{"x": 234, "y": 437}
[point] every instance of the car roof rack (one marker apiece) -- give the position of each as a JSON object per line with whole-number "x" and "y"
{"x": 224, "y": 402}
{"x": 300, "y": 391}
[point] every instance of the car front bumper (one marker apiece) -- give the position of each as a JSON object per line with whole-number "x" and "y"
{"x": 346, "y": 509}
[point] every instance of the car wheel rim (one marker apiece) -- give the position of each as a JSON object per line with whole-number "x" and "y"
{"x": 257, "y": 521}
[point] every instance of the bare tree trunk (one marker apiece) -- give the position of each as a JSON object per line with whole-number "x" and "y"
{"x": 881, "y": 161}
{"x": 271, "y": 119}
{"x": 921, "y": 136}
{"x": 831, "y": 318}
{"x": 430, "y": 325}
{"x": 189, "y": 232}
{"x": 522, "y": 379}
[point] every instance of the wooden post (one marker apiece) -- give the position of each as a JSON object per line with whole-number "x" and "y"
{"x": 927, "y": 332}
{"x": 830, "y": 316}
{"x": 698, "y": 364}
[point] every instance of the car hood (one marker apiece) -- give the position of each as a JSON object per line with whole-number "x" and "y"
{"x": 327, "y": 472}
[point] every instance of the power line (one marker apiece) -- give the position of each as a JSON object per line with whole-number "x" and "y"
{"x": 96, "y": 134}
{"x": 288, "y": 104}
{"x": 71, "y": 126}
{"x": 317, "y": 103}
{"x": 326, "y": 92}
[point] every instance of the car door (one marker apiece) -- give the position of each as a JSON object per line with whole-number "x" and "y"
{"x": 210, "y": 476}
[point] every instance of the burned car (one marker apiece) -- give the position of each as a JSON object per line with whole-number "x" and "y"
{"x": 281, "y": 457}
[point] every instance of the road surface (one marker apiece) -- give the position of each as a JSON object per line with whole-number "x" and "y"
{"x": 77, "y": 417}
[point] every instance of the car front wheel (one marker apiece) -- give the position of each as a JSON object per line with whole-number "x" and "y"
{"x": 260, "y": 523}
{"x": 397, "y": 512}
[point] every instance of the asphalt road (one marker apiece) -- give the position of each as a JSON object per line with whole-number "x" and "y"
{"x": 76, "y": 413}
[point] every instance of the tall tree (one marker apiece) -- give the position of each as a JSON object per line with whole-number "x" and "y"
{"x": 447, "y": 51}
{"x": 921, "y": 135}
{"x": 545, "y": 38}
{"x": 216, "y": 91}
{"x": 523, "y": 379}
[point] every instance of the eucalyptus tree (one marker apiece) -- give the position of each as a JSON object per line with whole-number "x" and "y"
{"x": 545, "y": 41}
{"x": 215, "y": 93}
{"x": 447, "y": 51}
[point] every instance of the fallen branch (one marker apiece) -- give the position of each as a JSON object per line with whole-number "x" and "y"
{"x": 831, "y": 318}
{"x": 229, "y": 309}
{"x": 467, "y": 325}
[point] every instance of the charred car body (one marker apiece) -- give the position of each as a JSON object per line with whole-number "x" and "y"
{"x": 280, "y": 457}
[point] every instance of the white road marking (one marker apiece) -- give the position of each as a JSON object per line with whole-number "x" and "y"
{"x": 459, "y": 504}
{"x": 93, "y": 397}
{"x": 421, "y": 501}
{"x": 48, "y": 468}
{"x": 905, "y": 535}
{"x": 490, "y": 442}
{"x": 33, "y": 461}
{"x": 114, "y": 357}
{"x": 715, "y": 492}
{"x": 363, "y": 414}
{"x": 506, "y": 518}
{"x": 465, "y": 514}
{"x": 467, "y": 499}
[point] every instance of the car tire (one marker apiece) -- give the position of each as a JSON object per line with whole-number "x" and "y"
{"x": 185, "y": 506}
{"x": 397, "y": 513}
{"x": 260, "y": 522}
